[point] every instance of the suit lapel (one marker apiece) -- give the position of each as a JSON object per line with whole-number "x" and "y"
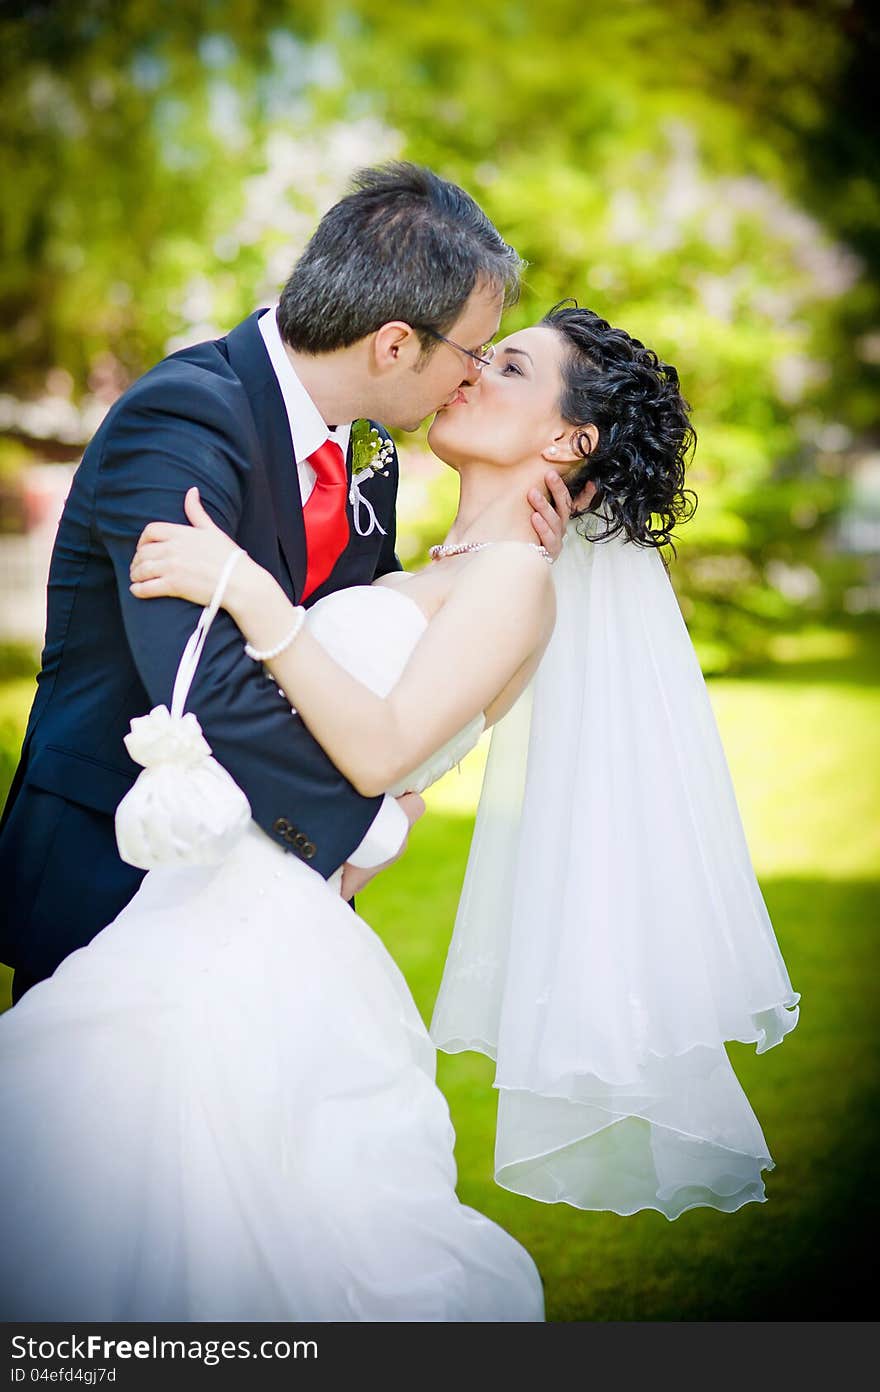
{"x": 250, "y": 361}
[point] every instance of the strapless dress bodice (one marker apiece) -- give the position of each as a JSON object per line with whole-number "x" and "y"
{"x": 371, "y": 631}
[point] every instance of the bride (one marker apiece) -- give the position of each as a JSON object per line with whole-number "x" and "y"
{"x": 224, "y": 1107}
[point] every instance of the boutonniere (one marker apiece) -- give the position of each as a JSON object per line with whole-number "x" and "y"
{"x": 370, "y": 455}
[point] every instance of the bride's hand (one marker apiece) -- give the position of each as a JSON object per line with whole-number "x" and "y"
{"x": 184, "y": 562}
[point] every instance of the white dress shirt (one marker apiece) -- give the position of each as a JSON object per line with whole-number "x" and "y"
{"x": 309, "y": 430}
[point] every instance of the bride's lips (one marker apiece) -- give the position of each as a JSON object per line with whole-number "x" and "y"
{"x": 458, "y": 398}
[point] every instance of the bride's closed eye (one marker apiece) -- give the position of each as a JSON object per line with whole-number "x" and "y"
{"x": 511, "y": 367}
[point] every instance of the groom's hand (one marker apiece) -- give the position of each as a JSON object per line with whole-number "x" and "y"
{"x": 354, "y": 878}
{"x": 550, "y": 522}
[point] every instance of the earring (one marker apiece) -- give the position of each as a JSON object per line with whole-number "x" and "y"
{"x": 552, "y": 450}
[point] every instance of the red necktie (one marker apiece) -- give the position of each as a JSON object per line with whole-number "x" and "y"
{"x": 324, "y": 515}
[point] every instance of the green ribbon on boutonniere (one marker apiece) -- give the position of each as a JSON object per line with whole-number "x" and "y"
{"x": 368, "y": 449}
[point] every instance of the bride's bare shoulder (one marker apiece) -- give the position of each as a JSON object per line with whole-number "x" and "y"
{"x": 511, "y": 563}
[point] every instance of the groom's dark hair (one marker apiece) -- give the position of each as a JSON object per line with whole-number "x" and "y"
{"x": 404, "y": 244}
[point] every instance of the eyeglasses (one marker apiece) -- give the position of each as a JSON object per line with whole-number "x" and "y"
{"x": 482, "y": 358}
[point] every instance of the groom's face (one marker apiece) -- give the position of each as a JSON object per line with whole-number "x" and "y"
{"x": 422, "y": 384}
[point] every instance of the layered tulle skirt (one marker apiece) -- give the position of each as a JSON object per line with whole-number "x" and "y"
{"x": 224, "y": 1108}
{"x": 611, "y": 936}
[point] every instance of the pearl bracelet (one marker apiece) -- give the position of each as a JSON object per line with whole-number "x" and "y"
{"x": 279, "y": 648}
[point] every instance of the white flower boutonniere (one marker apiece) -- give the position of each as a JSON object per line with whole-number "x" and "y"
{"x": 370, "y": 455}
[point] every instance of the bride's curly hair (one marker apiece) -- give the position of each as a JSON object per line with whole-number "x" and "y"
{"x": 633, "y": 399}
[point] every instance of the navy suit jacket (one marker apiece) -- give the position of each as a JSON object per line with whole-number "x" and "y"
{"x": 211, "y": 415}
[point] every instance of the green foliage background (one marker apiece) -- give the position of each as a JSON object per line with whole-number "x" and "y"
{"x": 704, "y": 172}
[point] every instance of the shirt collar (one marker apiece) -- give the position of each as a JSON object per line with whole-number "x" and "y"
{"x": 308, "y": 429}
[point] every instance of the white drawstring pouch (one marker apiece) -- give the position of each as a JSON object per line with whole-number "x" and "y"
{"x": 184, "y": 808}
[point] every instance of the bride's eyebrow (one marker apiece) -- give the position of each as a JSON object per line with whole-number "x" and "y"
{"x": 521, "y": 352}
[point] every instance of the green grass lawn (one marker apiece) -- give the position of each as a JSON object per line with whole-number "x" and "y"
{"x": 804, "y": 745}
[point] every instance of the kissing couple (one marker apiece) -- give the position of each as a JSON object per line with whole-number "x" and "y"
{"x": 219, "y": 1095}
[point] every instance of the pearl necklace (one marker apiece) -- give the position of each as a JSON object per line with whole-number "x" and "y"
{"x": 439, "y": 553}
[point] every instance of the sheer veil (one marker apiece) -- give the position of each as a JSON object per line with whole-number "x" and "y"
{"x": 611, "y": 934}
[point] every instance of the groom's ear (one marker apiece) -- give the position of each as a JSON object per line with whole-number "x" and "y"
{"x": 394, "y": 343}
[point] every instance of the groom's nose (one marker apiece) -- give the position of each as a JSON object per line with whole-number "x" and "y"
{"x": 470, "y": 386}
{"x": 471, "y": 374}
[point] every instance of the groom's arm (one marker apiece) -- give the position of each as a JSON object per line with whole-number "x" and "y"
{"x": 175, "y": 430}
{"x": 357, "y": 872}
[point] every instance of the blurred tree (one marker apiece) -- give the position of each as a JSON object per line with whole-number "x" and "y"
{"x": 702, "y": 172}
{"x": 690, "y": 170}
{"x": 118, "y": 160}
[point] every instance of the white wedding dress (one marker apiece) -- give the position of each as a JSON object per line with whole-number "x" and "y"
{"x": 224, "y": 1107}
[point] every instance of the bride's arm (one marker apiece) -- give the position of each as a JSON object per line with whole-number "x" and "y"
{"x": 497, "y": 616}
{"x": 494, "y": 620}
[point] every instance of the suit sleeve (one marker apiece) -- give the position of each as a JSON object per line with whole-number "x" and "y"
{"x": 178, "y": 432}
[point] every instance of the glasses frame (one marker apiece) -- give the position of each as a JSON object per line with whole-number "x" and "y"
{"x": 478, "y": 358}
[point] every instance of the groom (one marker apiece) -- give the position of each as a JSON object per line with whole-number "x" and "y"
{"x": 386, "y": 315}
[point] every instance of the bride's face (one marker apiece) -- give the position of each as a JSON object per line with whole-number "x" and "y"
{"x": 509, "y": 416}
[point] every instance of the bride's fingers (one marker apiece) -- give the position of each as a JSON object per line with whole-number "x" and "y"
{"x": 192, "y": 506}
{"x": 150, "y": 589}
{"x": 158, "y": 531}
{"x": 150, "y": 560}
{"x": 148, "y": 570}
{"x": 149, "y": 548}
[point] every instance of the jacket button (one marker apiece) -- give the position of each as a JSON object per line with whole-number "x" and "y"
{"x": 300, "y": 840}
{"x": 281, "y": 825}
{"x": 308, "y": 850}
